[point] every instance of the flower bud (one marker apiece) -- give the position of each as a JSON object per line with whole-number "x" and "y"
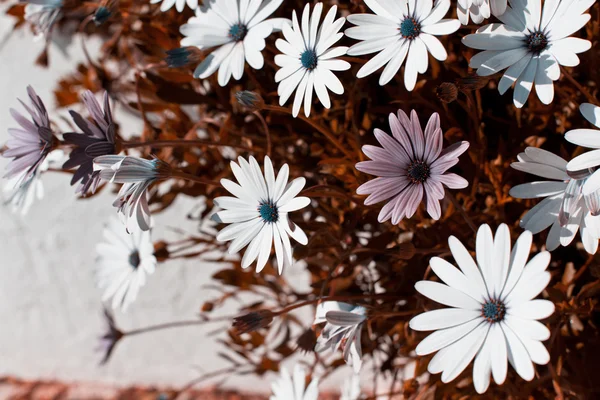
{"x": 447, "y": 92}
{"x": 251, "y": 100}
{"x": 252, "y": 321}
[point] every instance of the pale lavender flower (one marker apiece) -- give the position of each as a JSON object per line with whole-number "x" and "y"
{"x": 31, "y": 143}
{"x": 411, "y": 165}
{"x": 136, "y": 175}
{"x": 97, "y": 139}
{"x": 343, "y": 330}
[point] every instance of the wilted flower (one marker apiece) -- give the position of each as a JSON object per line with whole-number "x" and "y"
{"x": 494, "y": 315}
{"x": 308, "y": 59}
{"x": 251, "y": 100}
{"x": 31, "y": 143}
{"x": 531, "y": 42}
{"x": 124, "y": 262}
{"x": 410, "y": 166}
{"x": 288, "y": 388}
{"x": 342, "y": 330}
{"x": 110, "y": 338}
{"x": 239, "y": 33}
{"x": 253, "y": 321}
{"x": 587, "y": 138}
{"x": 258, "y": 213}
{"x": 564, "y": 207}
{"x": 104, "y": 11}
{"x": 307, "y": 341}
{"x": 97, "y": 139}
{"x": 42, "y": 14}
{"x": 179, "y": 4}
{"x": 136, "y": 175}
{"x": 401, "y": 31}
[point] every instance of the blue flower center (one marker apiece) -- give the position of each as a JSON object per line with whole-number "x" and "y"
{"x": 410, "y": 28}
{"x": 134, "y": 259}
{"x": 493, "y": 311}
{"x": 537, "y": 42}
{"x": 268, "y": 212}
{"x": 309, "y": 59}
{"x": 418, "y": 171}
{"x": 238, "y": 32}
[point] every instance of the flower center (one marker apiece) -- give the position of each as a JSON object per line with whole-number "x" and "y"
{"x": 238, "y": 32}
{"x": 134, "y": 259}
{"x": 410, "y": 28}
{"x": 268, "y": 212}
{"x": 493, "y": 310}
{"x": 537, "y": 42}
{"x": 309, "y": 59}
{"x": 418, "y": 172}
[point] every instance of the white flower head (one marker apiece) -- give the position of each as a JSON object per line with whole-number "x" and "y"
{"x": 179, "y": 4}
{"x": 351, "y": 388}
{"x": 564, "y": 207}
{"x": 494, "y": 317}
{"x": 238, "y": 28}
{"x": 402, "y": 30}
{"x": 587, "y": 138}
{"x": 293, "y": 388}
{"x": 308, "y": 58}
{"x": 531, "y": 42}
{"x": 258, "y": 214}
{"x": 136, "y": 175}
{"x": 42, "y": 14}
{"x": 124, "y": 261}
{"x": 479, "y": 10}
{"x": 343, "y": 330}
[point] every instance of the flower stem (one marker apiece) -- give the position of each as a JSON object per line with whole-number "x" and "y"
{"x": 180, "y": 143}
{"x": 193, "y": 178}
{"x": 266, "y": 128}
{"x": 315, "y": 125}
{"x": 460, "y": 209}
{"x": 583, "y": 90}
{"x": 329, "y": 298}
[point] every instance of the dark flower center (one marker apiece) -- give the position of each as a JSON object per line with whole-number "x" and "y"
{"x": 536, "y": 42}
{"x": 134, "y": 259}
{"x": 238, "y": 32}
{"x": 410, "y": 28}
{"x": 268, "y": 212}
{"x": 309, "y": 59}
{"x": 493, "y": 310}
{"x": 418, "y": 172}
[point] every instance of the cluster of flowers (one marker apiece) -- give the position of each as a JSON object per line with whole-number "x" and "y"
{"x": 493, "y": 315}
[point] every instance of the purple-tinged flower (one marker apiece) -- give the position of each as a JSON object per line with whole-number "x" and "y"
{"x": 110, "y": 338}
{"x": 31, "y": 143}
{"x": 97, "y": 139}
{"x": 42, "y": 14}
{"x": 136, "y": 175}
{"x": 410, "y": 165}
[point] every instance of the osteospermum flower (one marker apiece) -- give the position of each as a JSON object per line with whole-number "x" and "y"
{"x": 564, "y": 207}
{"x": 494, "y": 317}
{"x": 531, "y": 43}
{"x": 32, "y": 142}
{"x": 410, "y": 165}
{"x": 587, "y": 138}
{"x": 342, "y": 330}
{"x": 308, "y": 58}
{"x": 124, "y": 262}
{"x": 166, "y": 5}
{"x": 479, "y": 10}
{"x": 258, "y": 214}
{"x": 239, "y": 29}
{"x": 42, "y": 14}
{"x": 293, "y": 388}
{"x": 136, "y": 175}
{"x": 403, "y": 30}
{"x": 97, "y": 139}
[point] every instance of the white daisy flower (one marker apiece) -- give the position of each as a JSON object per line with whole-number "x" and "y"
{"x": 564, "y": 207}
{"x": 479, "y": 10}
{"x": 343, "y": 330}
{"x": 401, "y": 30}
{"x": 587, "y": 138}
{"x": 179, "y": 4}
{"x": 124, "y": 262}
{"x": 258, "y": 214}
{"x": 239, "y": 28}
{"x": 531, "y": 42}
{"x": 351, "y": 388}
{"x": 293, "y": 388}
{"x": 493, "y": 316}
{"x": 308, "y": 58}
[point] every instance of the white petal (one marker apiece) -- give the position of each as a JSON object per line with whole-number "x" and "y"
{"x": 446, "y": 295}
{"x": 443, "y": 318}
{"x": 534, "y": 309}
